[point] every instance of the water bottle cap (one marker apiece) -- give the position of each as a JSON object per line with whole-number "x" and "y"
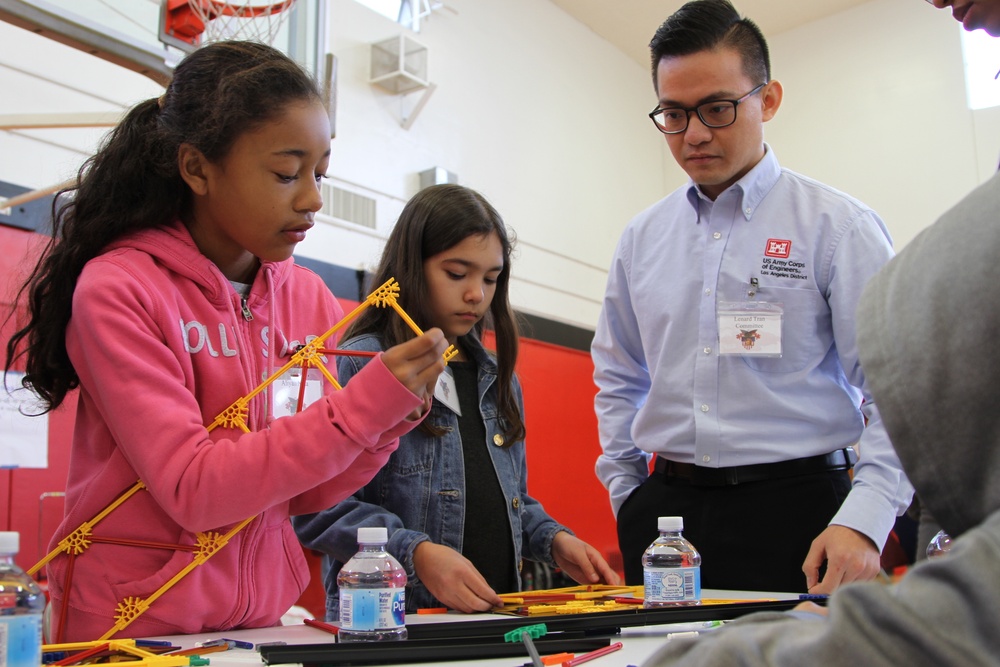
{"x": 10, "y": 542}
{"x": 376, "y": 535}
{"x": 671, "y": 523}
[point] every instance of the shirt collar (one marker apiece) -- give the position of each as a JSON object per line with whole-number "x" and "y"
{"x": 752, "y": 188}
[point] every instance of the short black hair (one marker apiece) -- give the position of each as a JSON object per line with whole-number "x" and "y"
{"x": 703, "y": 25}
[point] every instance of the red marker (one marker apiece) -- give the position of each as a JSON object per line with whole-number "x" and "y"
{"x": 593, "y": 655}
{"x": 320, "y": 625}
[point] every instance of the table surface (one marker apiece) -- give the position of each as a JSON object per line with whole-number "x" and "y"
{"x": 638, "y": 642}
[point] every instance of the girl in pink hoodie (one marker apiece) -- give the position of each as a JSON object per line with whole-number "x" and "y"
{"x": 168, "y": 292}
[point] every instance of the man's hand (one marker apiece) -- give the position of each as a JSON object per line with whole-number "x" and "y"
{"x": 581, "y": 561}
{"x": 811, "y": 608}
{"x": 849, "y": 555}
{"x": 453, "y": 579}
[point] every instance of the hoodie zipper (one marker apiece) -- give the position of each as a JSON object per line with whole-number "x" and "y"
{"x": 247, "y": 315}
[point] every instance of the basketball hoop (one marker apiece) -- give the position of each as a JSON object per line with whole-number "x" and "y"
{"x": 192, "y": 23}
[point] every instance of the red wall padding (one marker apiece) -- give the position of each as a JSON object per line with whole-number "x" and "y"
{"x": 29, "y": 499}
{"x": 562, "y": 442}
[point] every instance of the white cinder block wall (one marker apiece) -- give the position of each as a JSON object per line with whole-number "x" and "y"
{"x": 549, "y": 121}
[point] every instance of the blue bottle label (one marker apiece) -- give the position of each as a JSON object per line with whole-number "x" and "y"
{"x": 369, "y": 609}
{"x": 21, "y": 640}
{"x": 672, "y": 584}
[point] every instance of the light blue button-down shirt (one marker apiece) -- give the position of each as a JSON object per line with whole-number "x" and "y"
{"x": 663, "y": 387}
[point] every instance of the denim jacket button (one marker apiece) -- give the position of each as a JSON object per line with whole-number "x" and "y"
{"x": 516, "y": 502}
{"x": 498, "y": 440}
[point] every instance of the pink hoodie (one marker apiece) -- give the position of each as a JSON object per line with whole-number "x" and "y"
{"x": 162, "y": 344}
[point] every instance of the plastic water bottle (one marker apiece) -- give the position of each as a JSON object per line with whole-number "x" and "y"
{"x": 22, "y": 604}
{"x": 671, "y": 568}
{"x": 372, "y": 592}
{"x": 939, "y": 545}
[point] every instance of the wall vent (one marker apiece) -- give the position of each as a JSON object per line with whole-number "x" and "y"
{"x": 349, "y": 206}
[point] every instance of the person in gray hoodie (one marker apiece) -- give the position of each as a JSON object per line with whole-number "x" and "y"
{"x": 928, "y": 323}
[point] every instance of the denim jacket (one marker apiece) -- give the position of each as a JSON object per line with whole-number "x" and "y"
{"x": 419, "y": 494}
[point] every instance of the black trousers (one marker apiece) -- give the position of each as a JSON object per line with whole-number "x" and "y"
{"x": 751, "y": 536}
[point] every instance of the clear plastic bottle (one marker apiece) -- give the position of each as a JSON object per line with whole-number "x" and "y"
{"x": 372, "y": 592}
{"x": 22, "y": 604}
{"x": 671, "y": 568}
{"x": 939, "y": 545}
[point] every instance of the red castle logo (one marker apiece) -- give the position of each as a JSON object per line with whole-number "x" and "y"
{"x": 778, "y": 248}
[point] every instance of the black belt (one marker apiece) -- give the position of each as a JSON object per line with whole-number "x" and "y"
{"x": 842, "y": 459}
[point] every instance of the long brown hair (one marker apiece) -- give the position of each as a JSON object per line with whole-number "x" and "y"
{"x": 435, "y": 219}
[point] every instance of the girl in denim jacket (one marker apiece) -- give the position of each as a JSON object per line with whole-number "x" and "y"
{"x": 454, "y": 495}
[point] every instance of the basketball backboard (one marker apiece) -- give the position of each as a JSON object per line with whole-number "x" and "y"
{"x": 128, "y": 32}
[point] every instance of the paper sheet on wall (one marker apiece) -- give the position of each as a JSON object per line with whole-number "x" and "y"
{"x": 24, "y": 441}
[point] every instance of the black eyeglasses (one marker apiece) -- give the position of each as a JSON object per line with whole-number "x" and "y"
{"x": 717, "y": 113}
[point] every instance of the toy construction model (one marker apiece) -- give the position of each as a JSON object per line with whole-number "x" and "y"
{"x": 209, "y": 543}
{"x": 589, "y": 599}
{"x": 582, "y": 599}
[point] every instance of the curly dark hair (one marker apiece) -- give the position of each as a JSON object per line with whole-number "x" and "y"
{"x": 132, "y": 182}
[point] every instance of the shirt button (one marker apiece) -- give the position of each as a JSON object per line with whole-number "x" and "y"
{"x": 707, "y": 350}
{"x": 704, "y": 408}
{"x": 717, "y": 235}
{"x": 748, "y": 210}
{"x": 706, "y": 458}
{"x": 498, "y": 440}
{"x": 708, "y": 290}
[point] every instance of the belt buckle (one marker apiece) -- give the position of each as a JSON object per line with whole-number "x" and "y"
{"x": 851, "y": 455}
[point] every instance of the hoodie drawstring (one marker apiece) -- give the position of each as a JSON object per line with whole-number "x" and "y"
{"x": 272, "y": 332}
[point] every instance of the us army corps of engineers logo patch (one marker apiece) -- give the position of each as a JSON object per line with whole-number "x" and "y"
{"x": 777, "y": 263}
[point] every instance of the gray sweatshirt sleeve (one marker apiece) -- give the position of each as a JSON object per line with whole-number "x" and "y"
{"x": 943, "y": 612}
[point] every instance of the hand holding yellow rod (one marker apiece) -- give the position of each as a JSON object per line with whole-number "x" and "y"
{"x": 209, "y": 543}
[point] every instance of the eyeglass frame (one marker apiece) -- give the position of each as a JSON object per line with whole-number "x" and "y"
{"x": 696, "y": 109}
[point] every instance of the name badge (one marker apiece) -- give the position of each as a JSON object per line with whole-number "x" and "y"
{"x": 751, "y": 328}
{"x": 446, "y": 392}
{"x": 288, "y": 389}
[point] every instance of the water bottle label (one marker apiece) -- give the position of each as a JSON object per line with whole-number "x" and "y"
{"x": 369, "y": 609}
{"x": 672, "y": 584}
{"x": 21, "y": 640}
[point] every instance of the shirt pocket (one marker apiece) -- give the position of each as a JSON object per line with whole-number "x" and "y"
{"x": 806, "y": 331}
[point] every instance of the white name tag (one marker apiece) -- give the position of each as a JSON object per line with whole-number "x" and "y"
{"x": 750, "y": 328}
{"x": 288, "y": 390}
{"x": 446, "y": 392}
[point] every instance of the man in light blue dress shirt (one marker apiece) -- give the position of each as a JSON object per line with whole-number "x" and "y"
{"x": 726, "y": 344}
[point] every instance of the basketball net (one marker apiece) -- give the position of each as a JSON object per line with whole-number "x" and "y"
{"x": 206, "y": 21}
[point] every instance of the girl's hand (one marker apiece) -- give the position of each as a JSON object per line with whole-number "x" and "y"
{"x": 581, "y": 561}
{"x": 417, "y": 363}
{"x": 453, "y": 579}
